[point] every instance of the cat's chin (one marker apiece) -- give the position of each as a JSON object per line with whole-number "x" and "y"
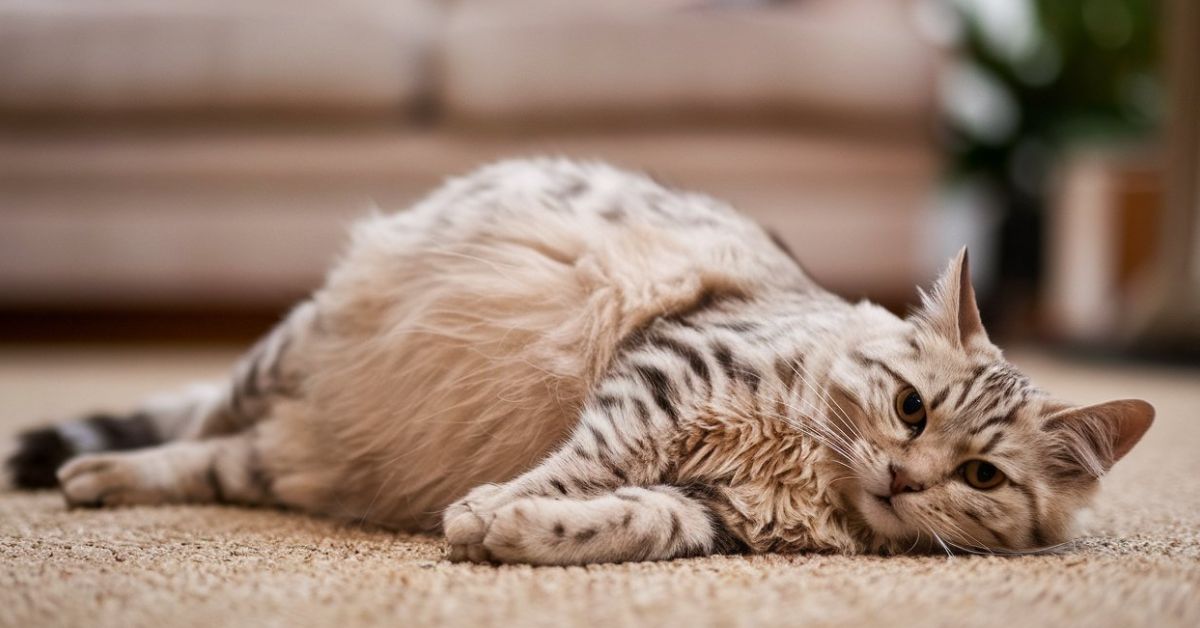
{"x": 882, "y": 517}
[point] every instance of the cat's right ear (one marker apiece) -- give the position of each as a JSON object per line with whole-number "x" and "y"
{"x": 1091, "y": 439}
{"x": 949, "y": 308}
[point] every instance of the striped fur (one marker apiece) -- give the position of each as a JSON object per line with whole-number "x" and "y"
{"x": 564, "y": 363}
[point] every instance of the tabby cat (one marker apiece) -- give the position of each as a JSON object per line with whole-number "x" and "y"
{"x": 557, "y": 362}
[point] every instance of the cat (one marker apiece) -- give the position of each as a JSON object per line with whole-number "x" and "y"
{"x": 559, "y": 362}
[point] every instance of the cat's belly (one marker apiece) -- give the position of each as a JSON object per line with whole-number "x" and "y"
{"x": 466, "y": 363}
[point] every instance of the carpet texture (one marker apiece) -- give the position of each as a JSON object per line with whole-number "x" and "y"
{"x": 1139, "y": 563}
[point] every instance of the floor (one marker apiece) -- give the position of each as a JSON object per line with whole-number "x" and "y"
{"x": 1139, "y": 563}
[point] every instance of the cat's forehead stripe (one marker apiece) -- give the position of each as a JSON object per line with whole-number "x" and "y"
{"x": 939, "y": 398}
{"x": 969, "y": 383}
{"x": 1002, "y": 419}
{"x": 870, "y": 362}
{"x": 989, "y": 446}
{"x": 1002, "y": 385}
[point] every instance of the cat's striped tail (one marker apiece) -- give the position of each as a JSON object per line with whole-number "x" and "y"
{"x": 35, "y": 455}
{"x": 269, "y": 371}
{"x": 38, "y": 453}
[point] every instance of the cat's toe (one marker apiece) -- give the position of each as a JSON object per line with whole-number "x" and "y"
{"x": 473, "y": 553}
{"x": 463, "y": 525}
{"x": 466, "y": 521}
{"x": 457, "y": 554}
{"x": 99, "y": 480}
{"x": 512, "y": 531}
{"x": 465, "y": 530}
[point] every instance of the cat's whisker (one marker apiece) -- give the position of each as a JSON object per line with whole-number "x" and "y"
{"x": 839, "y": 478}
{"x": 832, "y": 430}
{"x": 810, "y": 383}
{"x": 916, "y": 541}
{"x": 827, "y": 399}
{"x": 841, "y": 437}
{"x": 964, "y": 548}
{"x": 936, "y": 537}
{"x": 845, "y": 447}
{"x": 846, "y": 466}
{"x": 979, "y": 544}
{"x": 813, "y": 427}
{"x": 958, "y": 530}
{"x": 982, "y": 551}
{"x": 978, "y": 547}
{"x": 834, "y": 448}
{"x": 824, "y": 439}
{"x": 810, "y": 380}
{"x": 1036, "y": 551}
{"x": 922, "y": 520}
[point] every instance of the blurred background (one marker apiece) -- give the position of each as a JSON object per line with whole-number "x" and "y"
{"x": 182, "y": 170}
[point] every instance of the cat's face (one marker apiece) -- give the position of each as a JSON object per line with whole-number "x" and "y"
{"x": 949, "y": 445}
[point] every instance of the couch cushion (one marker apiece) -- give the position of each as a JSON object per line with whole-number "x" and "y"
{"x": 190, "y": 54}
{"x": 255, "y": 218}
{"x": 857, "y": 59}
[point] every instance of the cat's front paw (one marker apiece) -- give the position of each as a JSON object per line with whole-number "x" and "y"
{"x": 487, "y": 536}
{"x": 514, "y": 530}
{"x": 548, "y": 531}
{"x": 466, "y": 523}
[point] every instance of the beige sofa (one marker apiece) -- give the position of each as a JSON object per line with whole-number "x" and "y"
{"x": 172, "y": 154}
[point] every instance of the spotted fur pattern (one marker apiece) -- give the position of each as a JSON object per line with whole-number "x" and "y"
{"x": 563, "y": 363}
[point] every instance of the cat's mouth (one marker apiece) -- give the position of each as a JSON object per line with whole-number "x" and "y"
{"x": 881, "y": 514}
{"x": 886, "y": 504}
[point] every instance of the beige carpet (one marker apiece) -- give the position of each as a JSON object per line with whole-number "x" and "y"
{"x": 218, "y": 566}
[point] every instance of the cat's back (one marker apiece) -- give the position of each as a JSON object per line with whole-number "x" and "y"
{"x": 571, "y": 240}
{"x": 576, "y": 208}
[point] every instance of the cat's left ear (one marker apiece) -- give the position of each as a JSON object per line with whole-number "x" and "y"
{"x": 950, "y": 309}
{"x": 1093, "y": 438}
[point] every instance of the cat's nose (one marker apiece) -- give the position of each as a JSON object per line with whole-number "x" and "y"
{"x": 902, "y": 482}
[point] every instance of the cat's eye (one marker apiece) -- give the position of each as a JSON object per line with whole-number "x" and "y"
{"x": 982, "y": 475}
{"x": 911, "y": 409}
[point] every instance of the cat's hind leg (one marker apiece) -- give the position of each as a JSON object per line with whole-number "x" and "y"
{"x": 271, "y": 371}
{"x": 628, "y": 524}
{"x": 220, "y": 469}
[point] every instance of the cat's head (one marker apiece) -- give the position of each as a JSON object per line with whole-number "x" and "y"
{"x": 951, "y": 444}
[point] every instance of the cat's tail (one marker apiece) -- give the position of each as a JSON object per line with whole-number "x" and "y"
{"x": 31, "y": 459}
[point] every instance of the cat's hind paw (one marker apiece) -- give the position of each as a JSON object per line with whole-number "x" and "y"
{"x": 104, "y": 480}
